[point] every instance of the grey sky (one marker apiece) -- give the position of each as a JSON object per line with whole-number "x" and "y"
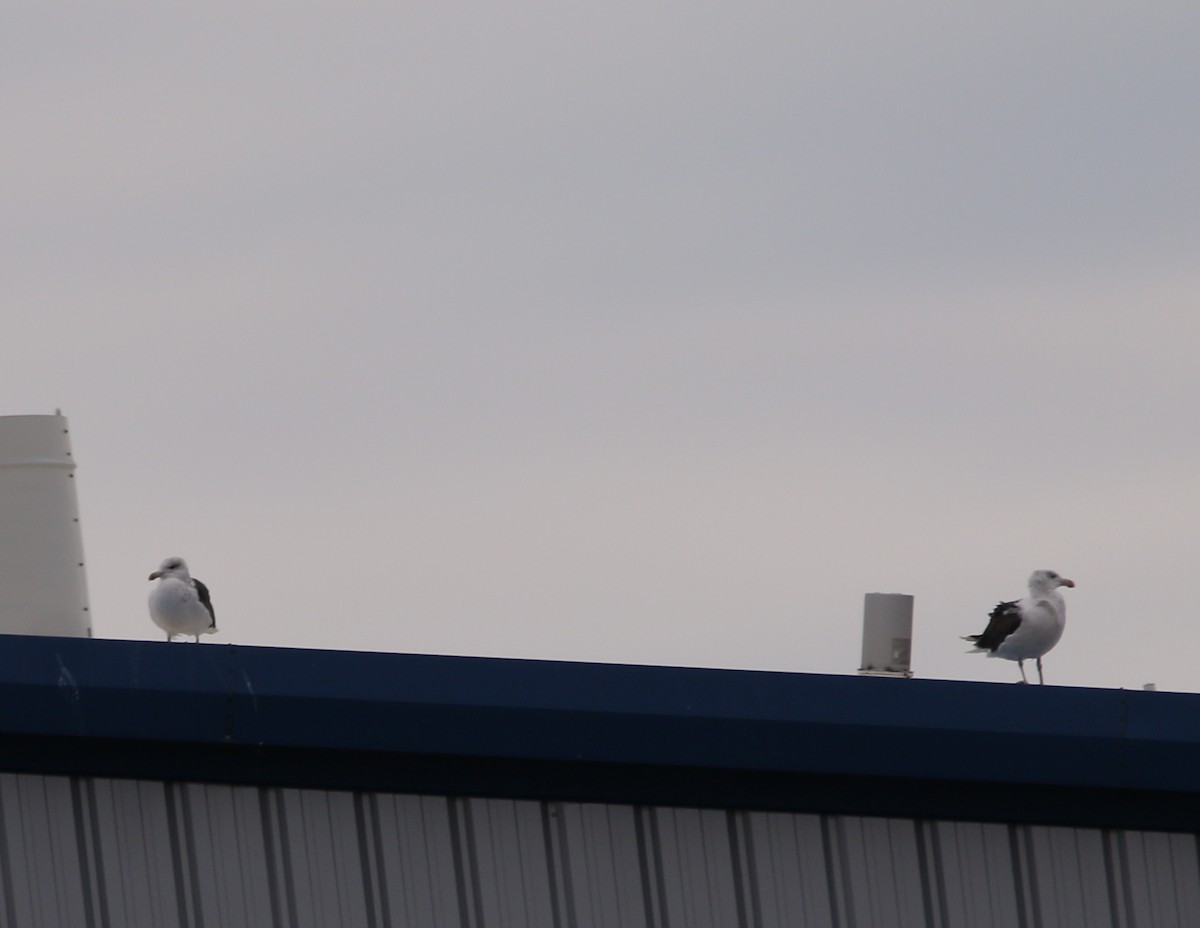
{"x": 635, "y": 332}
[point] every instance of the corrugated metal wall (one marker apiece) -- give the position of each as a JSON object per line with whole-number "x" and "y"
{"x": 95, "y": 852}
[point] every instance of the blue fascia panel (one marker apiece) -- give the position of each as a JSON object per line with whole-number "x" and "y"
{"x": 110, "y": 706}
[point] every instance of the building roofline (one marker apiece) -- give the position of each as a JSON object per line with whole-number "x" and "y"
{"x": 602, "y": 732}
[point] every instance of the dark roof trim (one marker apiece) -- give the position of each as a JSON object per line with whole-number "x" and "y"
{"x": 599, "y": 732}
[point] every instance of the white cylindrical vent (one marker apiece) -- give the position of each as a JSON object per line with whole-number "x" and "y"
{"x": 887, "y": 634}
{"x": 43, "y": 587}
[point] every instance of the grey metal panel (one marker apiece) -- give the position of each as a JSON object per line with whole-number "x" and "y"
{"x": 787, "y": 870}
{"x": 974, "y": 876}
{"x": 508, "y": 862}
{"x": 1182, "y": 851}
{"x": 42, "y": 852}
{"x": 231, "y": 885}
{"x": 604, "y": 877}
{"x": 1160, "y": 878}
{"x": 418, "y": 879}
{"x": 326, "y": 883}
{"x": 697, "y": 872}
{"x": 131, "y": 853}
{"x": 880, "y": 871}
{"x": 91, "y": 852}
{"x": 1068, "y": 877}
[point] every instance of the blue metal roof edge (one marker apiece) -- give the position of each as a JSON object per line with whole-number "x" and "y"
{"x": 597, "y": 731}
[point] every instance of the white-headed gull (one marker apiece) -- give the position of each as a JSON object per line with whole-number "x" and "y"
{"x": 1027, "y": 628}
{"x": 179, "y": 603}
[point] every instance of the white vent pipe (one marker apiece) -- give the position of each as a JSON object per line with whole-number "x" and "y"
{"x": 43, "y": 585}
{"x": 887, "y": 634}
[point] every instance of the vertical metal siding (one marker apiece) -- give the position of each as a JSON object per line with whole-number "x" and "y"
{"x": 1159, "y": 879}
{"x": 95, "y": 852}
{"x": 694, "y": 854}
{"x": 508, "y": 861}
{"x": 881, "y": 871}
{"x": 231, "y": 880}
{"x": 1067, "y": 868}
{"x": 603, "y": 875}
{"x": 128, "y": 852}
{"x": 973, "y": 875}
{"x": 788, "y": 872}
{"x": 414, "y": 851}
{"x": 41, "y": 857}
{"x": 325, "y": 885}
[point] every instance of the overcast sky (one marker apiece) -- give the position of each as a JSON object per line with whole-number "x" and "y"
{"x": 653, "y": 333}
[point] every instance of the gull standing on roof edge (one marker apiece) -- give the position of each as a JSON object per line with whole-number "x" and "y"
{"x": 179, "y": 603}
{"x": 1027, "y": 628}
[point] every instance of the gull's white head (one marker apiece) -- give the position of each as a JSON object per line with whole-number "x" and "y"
{"x": 1044, "y": 581}
{"x": 172, "y": 567}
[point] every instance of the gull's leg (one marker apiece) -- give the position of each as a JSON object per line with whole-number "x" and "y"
{"x": 1021, "y": 664}
{"x": 1041, "y": 679}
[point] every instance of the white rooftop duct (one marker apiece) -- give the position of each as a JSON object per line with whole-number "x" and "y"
{"x": 43, "y": 585}
{"x": 887, "y": 634}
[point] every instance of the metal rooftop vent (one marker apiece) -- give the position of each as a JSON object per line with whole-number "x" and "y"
{"x": 43, "y": 586}
{"x": 887, "y": 635}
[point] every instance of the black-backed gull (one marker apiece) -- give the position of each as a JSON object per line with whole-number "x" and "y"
{"x": 179, "y": 603}
{"x": 1027, "y": 628}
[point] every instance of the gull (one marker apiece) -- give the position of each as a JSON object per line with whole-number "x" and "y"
{"x": 179, "y": 603}
{"x": 1027, "y": 628}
